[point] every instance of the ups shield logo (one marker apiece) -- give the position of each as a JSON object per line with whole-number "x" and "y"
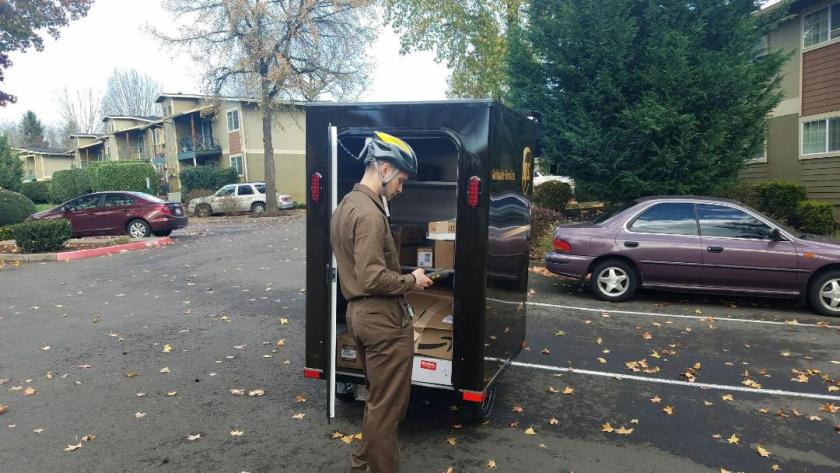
{"x": 526, "y": 169}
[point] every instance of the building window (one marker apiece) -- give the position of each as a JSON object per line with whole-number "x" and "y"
{"x": 236, "y": 163}
{"x": 821, "y": 136}
{"x": 233, "y": 120}
{"x": 822, "y": 25}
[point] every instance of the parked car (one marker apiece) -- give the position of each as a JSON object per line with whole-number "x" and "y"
{"x": 698, "y": 244}
{"x": 246, "y": 197}
{"x": 540, "y": 178}
{"x": 113, "y": 213}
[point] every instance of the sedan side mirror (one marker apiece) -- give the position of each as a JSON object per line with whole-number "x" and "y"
{"x": 775, "y": 235}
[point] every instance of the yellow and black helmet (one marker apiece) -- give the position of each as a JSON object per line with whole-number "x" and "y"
{"x": 384, "y": 147}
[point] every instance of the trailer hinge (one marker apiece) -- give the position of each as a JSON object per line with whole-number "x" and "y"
{"x": 331, "y": 273}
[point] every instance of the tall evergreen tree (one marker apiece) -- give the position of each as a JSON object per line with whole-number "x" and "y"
{"x": 11, "y": 167}
{"x": 639, "y": 97}
{"x": 31, "y": 130}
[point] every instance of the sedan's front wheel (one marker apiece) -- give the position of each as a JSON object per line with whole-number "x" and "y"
{"x": 824, "y": 293}
{"x": 614, "y": 280}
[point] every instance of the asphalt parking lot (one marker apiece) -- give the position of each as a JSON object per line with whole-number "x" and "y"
{"x": 189, "y": 358}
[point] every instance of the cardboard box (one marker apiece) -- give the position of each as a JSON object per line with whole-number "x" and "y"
{"x": 443, "y": 226}
{"x": 444, "y": 257}
{"x": 432, "y": 323}
{"x": 407, "y": 235}
{"x": 346, "y": 352}
{"x": 425, "y": 257}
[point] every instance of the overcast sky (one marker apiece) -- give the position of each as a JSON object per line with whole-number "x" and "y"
{"x": 112, "y": 36}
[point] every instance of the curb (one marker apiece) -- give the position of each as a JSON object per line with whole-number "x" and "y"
{"x": 89, "y": 253}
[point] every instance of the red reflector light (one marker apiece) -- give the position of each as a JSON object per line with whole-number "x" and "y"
{"x": 165, "y": 210}
{"x": 473, "y": 191}
{"x": 315, "y": 187}
{"x": 473, "y": 396}
{"x": 428, "y": 365}
{"x": 311, "y": 373}
{"x": 561, "y": 245}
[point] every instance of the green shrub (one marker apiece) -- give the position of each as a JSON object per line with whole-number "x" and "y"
{"x": 816, "y": 217}
{"x": 68, "y": 184}
{"x": 206, "y": 177}
{"x": 122, "y": 176}
{"x": 40, "y": 236}
{"x": 6, "y": 233}
{"x": 743, "y": 192}
{"x": 553, "y": 195}
{"x": 195, "y": 194}
{"x": 543, "y": 223}
{"x": 780, "y": 198}
{"x": 36, "y": 191}
{"x": 14, "y": 207}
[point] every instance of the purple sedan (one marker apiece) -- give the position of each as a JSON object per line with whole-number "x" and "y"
{"x": 702, "y": 244}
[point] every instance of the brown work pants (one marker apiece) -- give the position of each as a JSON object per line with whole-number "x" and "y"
{"x": 384, "y": 338}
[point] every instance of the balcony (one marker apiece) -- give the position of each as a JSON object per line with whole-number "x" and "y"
{"x": 200, "y": 147}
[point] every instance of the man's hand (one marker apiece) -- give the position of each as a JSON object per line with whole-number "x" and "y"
{"x": 420, "y": 280}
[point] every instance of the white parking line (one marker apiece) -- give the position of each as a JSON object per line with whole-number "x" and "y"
{"x": 680, "y": 316}
{"x": 721, "y": 387}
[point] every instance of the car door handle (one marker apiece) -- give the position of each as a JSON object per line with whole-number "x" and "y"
{"x": 715, "y": 249}
{"x": 631, "y": 244}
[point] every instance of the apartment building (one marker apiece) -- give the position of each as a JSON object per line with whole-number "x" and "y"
{"x": 39, "y": 163}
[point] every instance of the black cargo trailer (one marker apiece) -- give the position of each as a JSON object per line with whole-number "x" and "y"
{"x": 475, "y": 168}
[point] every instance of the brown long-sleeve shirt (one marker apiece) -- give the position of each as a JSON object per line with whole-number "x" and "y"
{"x": 365, "y": 252}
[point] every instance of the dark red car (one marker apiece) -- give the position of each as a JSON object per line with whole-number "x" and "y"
{"x": 698, "y": 244}
{"x": 113, "y": 213}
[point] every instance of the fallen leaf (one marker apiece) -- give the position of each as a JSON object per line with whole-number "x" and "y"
{"x": 830, "y": 408}
{"x": 337, "y": 435}
{"x": 451, "y": 441}
{"x": 45, "y": 348}
{"x": 761, "y": 451}
{"x": 602, "y": 361}
{"x": 607, "y": 427}
{"x": 553, "y": 421}
{"x": 237, "y": 433}
{"x": 546, "y": 351}
{"x": 347, "y": 439}
{"x": 172, "y": 393}
{"x": 491, "y": 464}
{"x": 568, "y": 390}
{"x": 785, "y": 354}
{"x": 165, "y": 370}
{"x": 530, "y": 431}
{"x": 3, "y": 408}
{"x": 450, "y": 470}
{"x": 28, "y": 391}
{"x": 655, "y": 354}
{"x": 139, "y": 415}
{"x": 733, "y": 440}
{"x": 727, "y": 397}
{"x": 518, "y": 409}
{"x": 559, "y": 333}
{"x": 299, "y": 416}
{"x": 281, "y": 342}
{"x": 256, "y": 392}
{"x": 802, "y": 378}
{"x": 634, "y": 421}
{"x": 237, "y": 392}
{"x": 707, "y": 403}
{"x": 193, "y": 437}
{"x": 656, "y": 399}
{"x": 358, "y": 436}
{"x": 73, "y": 448}
{"x": 668, "y": 410}
{"x": 724, "y": 470}
{"x": 38, "y": 430}
{"x": 623, "y": 431}
{"x": 815, "y": 418}
{"x": 775, "y": 467}
{"x": 300, "y": 398}
{"x": 86, "y": 438}
{"x": 167, "y": 348}
{"x": 284, "y": 321}
{"x": 131, "y": 374}
{"x": 647, "y": 336}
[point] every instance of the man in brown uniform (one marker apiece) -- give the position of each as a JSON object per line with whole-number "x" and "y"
{"x": 377, "y": 315}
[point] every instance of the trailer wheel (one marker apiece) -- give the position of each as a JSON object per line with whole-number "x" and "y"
{"x": 480, "y": 413}
{"x": 345, "y": 392}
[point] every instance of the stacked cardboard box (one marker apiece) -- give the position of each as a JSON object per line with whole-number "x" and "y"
{"x": 443, "y": 232}
{"x": 433, "y": 323}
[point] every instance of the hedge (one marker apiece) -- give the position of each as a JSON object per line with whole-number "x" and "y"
{"x": 780, "y": 198}
{"x": 40, "y": 236}
{"x": 14, "y": 207}
{"x": 6, "y": 233}
{"x": 206, "y": 177}
{"x": 553, "y": 195}
{"x": 816, "y": 217}
{"x": 543, "y": 223}
{"x": 68, "y": 184}
{"x": 122, "y": 176}
{"x": 36, "y": 191}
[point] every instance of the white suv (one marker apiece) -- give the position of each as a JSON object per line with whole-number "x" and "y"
{"x": 246, "y": 197}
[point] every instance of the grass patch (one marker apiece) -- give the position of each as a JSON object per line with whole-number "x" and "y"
{"x": 42, "y": 207}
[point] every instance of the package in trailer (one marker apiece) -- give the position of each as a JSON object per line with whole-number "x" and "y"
{"x": 466, "y": 217}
